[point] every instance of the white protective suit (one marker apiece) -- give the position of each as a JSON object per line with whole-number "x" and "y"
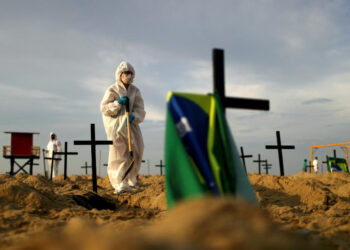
{"x": 53, "y": 146}
{"x": 113, "y": 115}
{"x": 315, "y": 164}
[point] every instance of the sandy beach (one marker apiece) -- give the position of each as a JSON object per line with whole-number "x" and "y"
{"x": 303, "y": 211}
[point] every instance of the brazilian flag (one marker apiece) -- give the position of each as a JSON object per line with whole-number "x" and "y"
{"x": 337, "y": 165}
{"x": 201, "y": 156}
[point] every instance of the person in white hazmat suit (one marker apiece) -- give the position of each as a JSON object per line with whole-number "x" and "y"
{"x": 315, "y": 164}
{"x": 114, "y": 121}
{"x": 54, "y": 145}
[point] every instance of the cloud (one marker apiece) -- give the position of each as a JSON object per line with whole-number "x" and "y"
{"x": 318, "y": 101}
{"x": 57, "y": 61}
{"x": 155, "y": 113}
{"x": 96, "y": 85}
{"x": 24, "y": 93}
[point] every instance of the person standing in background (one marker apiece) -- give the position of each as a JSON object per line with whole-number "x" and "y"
{"x": 305, "y": 166}
{"x": 54, "y": 145}
{"x": 315, "y": 164}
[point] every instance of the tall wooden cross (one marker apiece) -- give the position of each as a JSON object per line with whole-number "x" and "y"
{"x": 65, "y": 153}
{"x": 161, "y": 166}
{"x": 266, "y": 166}
{"x": 243, "y": 156}
{"x": 93, "y": 144}
{"x": 86, "y": 167}
{"x": 259, "y": 161}
{"x": 326, "y": 162}
{"x": 219, "y": 88}
{"x": 279, "y": 147}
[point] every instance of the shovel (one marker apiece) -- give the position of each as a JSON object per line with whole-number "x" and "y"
{"x": 44, "y": 163}
{"x": 131, "y": 154}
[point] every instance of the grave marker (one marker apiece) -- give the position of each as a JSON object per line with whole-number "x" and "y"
{"x": 93, "y": 143}
{"x": 219, "y": 88}
{"x": 86, "y": 167}
{"x": 161, "y": 166}
{"x": 65, "y": 153}
{"x": 52, "y": 161}
{"x": 243, "y": 156}
{"x": 279, "y": 147}
{"x": 326, "y": 162}
{"x": 259, "y": 161}
{"x": 266, "y": 166}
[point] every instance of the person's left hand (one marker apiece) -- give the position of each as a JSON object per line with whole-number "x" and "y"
{"x": 131, "y": 118}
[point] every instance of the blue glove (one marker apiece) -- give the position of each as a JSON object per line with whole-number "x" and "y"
{"x": 131, "y": 118}
{"x": 122, "y": 100}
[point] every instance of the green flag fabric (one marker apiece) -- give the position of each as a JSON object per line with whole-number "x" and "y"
{"x": 337, "y": 165}
{"x": 201, "y": 156}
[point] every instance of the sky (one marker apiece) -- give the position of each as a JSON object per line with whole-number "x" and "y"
{"x": 59, "y": 57}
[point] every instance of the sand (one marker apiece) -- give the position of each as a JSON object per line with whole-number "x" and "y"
{"x": 302, "y": 211}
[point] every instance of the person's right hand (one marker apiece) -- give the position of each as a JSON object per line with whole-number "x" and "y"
{"x": 122, "y": 100}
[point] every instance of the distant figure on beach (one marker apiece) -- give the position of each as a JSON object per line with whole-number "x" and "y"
{"x": 305, "y": 165}
{"x": 53, "y": 146}
{"x": 315, "y": 164}
{"x": 114, "y": 119}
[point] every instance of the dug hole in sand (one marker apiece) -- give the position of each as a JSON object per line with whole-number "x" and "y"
{"x": 301, "y": 211}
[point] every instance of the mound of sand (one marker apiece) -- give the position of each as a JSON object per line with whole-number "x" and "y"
{"x": 302, "y": 211}
{"x": 317, "y": 203}
{"x": 33, "y": 204}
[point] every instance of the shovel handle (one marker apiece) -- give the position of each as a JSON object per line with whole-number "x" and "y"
{"x": 129, "y": 132}
{"x": 127, "y": 109}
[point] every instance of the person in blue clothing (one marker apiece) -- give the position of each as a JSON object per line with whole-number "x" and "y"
{"x": 305, "y": 165}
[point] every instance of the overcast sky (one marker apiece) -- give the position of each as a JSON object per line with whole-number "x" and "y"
{"x": 57, "y": 58}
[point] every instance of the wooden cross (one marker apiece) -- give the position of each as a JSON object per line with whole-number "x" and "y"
{"x": 266, "y": 166}
{"x": 335, "y": 156}
{"x": 65, "y": 153}
{"x": 279, "y": 147}
{"x": 161, "y": 166}
{"x": 326, "y": 162}
{"x": 310, "y": 166}
{"x": 86, "y": 167}
{"x": 259, "y": 161}
{"x": 93, "y": 144}
{"x": 219, "y": 88}
{"x": 243, "y": 156}
{"x": 53, "y": 159}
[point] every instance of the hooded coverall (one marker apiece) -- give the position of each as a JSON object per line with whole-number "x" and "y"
{"x": 114, "y": 120}
{"x": 53, "y": 146}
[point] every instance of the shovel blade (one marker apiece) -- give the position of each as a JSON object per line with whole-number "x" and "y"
{"x": 132, "y": 161}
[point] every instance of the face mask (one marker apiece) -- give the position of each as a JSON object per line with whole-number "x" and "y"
{"x": 127, "y": 78}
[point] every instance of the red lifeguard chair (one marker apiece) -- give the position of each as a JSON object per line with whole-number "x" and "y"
{"x": 21, "y": 148}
